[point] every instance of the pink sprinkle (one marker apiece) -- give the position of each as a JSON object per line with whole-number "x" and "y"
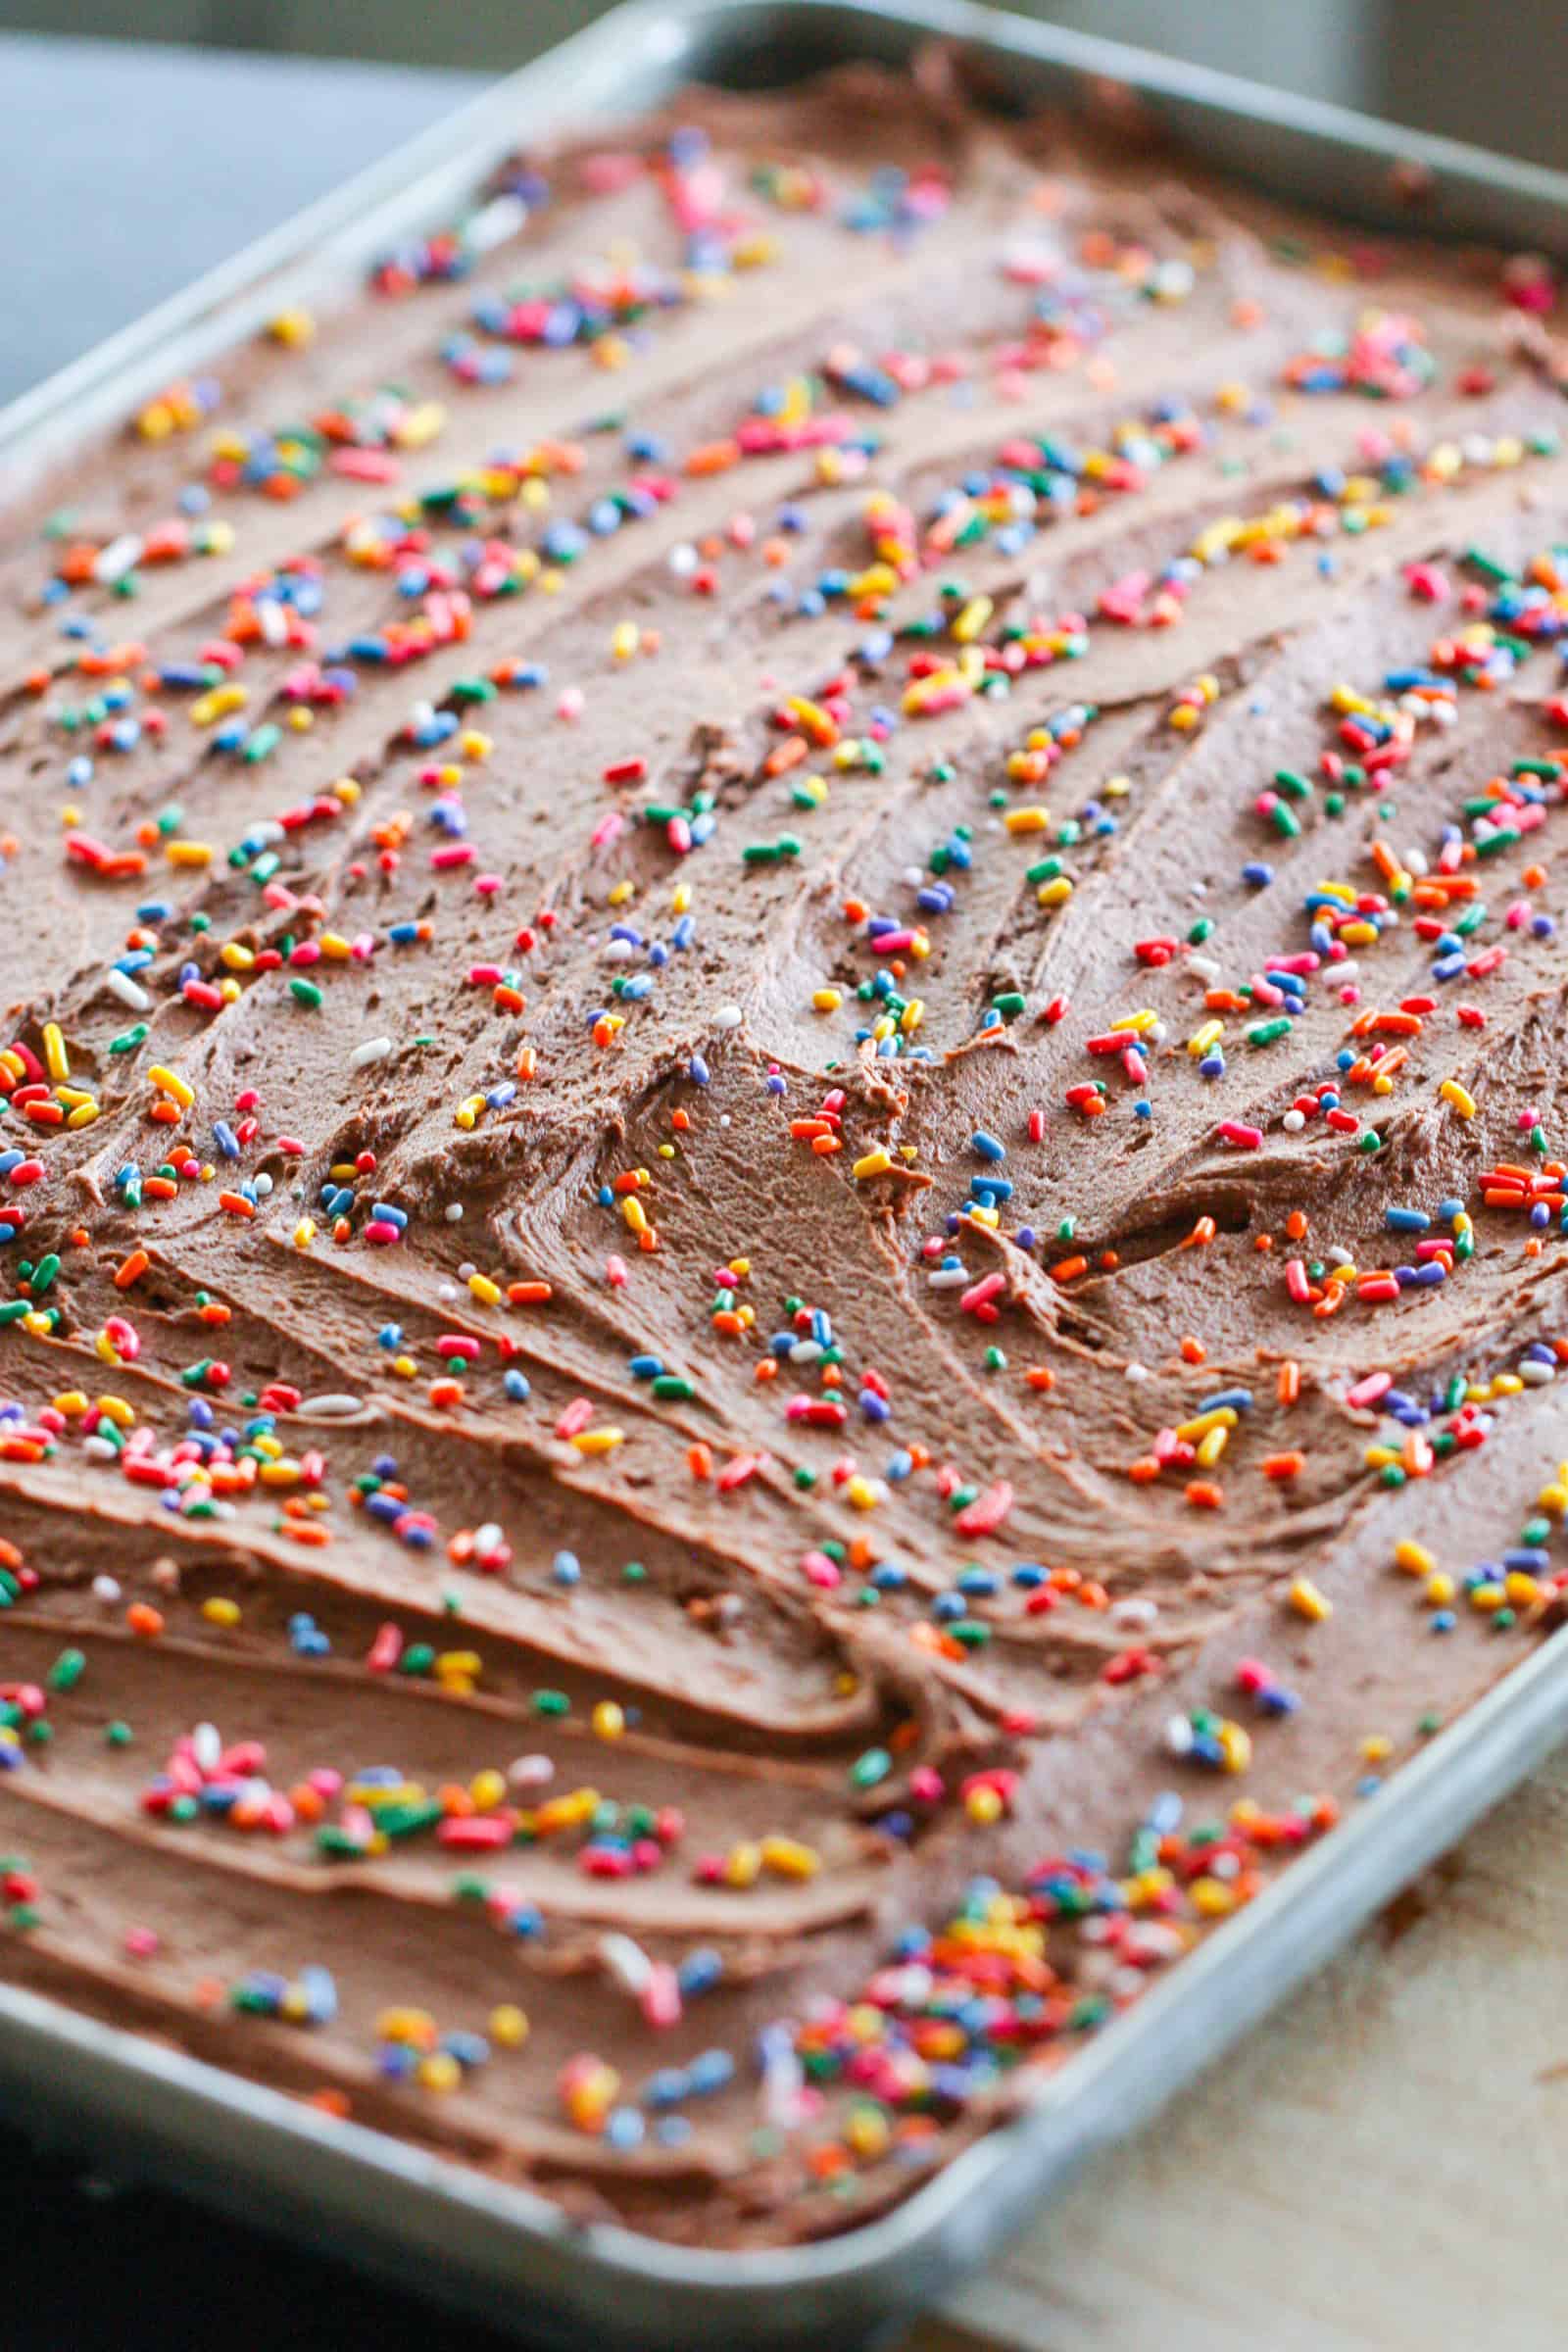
{"x": 1246, "y": 1139}
{"x": 1368, "y": 1390}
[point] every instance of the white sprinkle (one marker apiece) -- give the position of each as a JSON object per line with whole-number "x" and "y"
{"x": 1339, "y": 1255}
{"x": 335, "y": 1402}
{"x": 207, "y": 1746}
{"x": 1202, "y": 967}
{"x": 468, "y": 1270}
{"x": 1178, "y": 1737}
{"x": 129, "y": 992}
{"x": 1294, "y": 1122}
{"x": 626, "y": 1962}
{"x": 374, "y": 1049}
{"x": 105, "y": 1588}
{"x": 263, "y": 1184}
{"x": 948, "y": 1278}
{"x": 1535, "y": 1375}
{"x": 728, "y": 1017}
{"x": 273, "y": 619}
{"x": 1137, "y": 1371}
{"x": 487, "y": 1538}
{"x": 530, "y": 1771}
{"x": 116, "y": 560}
{"x": 1134, "y": 1610}
{"x": 500, "y": 219}
{"x": 453, "y": 1213}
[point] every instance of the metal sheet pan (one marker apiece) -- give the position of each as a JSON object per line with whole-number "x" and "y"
{"x": 136, "y": 2110}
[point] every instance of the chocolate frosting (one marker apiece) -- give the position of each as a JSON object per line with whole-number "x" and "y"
{"x": 825, "y": 922}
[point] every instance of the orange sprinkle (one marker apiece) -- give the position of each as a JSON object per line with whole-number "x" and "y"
{"x": 134, "y": 1267}
{"x": 1289, "y": 1380}
{"x": 1203, "y": 1494}
{"x": 1193, "y": 1351}
{"x": 1041, "y": 1377}
{"x": 143, "y": 1619}
{"x": 1283, "y": 1465}
{"x": 699, "y": 1461}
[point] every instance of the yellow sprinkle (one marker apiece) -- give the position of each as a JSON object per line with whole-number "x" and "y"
{"x": 1453, "y": 1092}
{"x": 1440, "y": 1589}
{"x": 599, "y": 1441}
{"x": 826, "y": 999}
{"x": 217, "y": 702}
{"x": 84, "y": 1115}
{"x": 1212, "y": 1445}
{"x": 440, "y": 2071}
{"x": 743, "y": 1865}
{"x": 303, "y": 1233}
{"x": 874, "y": 1164}
{"x": 867, "y": 2132}
{"x": 789, "y": 1859}
{"x": 973, "y": 619}
{"x": 116, "y": 1410}
{"x": 1521, "y": 1588}
{"x": 488, "y": 1789}
{"x": 56, "y": 1058}
{"x": 1308, "y": 1602}
{"x": 1033, "y": 819}
{"x": 509, "y": 2026}
{"x": 419, "y": 426}
{"x": 1487, "y": 1598}
{"x": 1413, "y": 1557}
{"x": 634, "y": 1213}
{"x": 607, "y": 1720}
{"x": 1219, "y": 1416}
{"x": 404, "y": 1367}
{"x": 72, "y": 1403}
{"x": 488, "y": 1293}
{"x": 189, "y": 852}
{"x": 294, "y": 327}
{"x": 218, "y": 1611}
{"x": 1055, "y": 893}
{"x": 169, "y": 1082}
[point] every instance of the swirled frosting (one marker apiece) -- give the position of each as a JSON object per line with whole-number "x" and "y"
{"x": 781, "y": 1249}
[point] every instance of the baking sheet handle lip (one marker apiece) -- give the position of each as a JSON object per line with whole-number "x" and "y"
{"x": 1149, "y": 72}
{"x": 1183, "y": 2022}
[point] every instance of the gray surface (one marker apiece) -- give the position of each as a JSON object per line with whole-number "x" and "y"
{"x": 135, "y": 168}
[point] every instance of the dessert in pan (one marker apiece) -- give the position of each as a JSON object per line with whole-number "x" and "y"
{"x": 778, "y": 1171}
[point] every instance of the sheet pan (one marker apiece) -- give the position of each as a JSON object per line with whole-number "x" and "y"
{"x": 134, "y": 2110}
